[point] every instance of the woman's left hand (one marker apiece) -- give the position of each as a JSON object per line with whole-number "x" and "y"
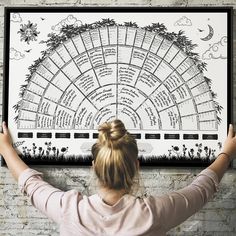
{"x": 13, "y": 161}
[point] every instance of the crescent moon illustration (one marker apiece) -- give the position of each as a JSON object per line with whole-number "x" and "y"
{"x": 210, "y": 35}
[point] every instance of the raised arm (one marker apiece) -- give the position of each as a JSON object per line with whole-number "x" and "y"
{"x": 13, "y": 161}
{"x": 43, "y": 196}
{"x": 176, "y": 207}
{"x": 221, "y": 164}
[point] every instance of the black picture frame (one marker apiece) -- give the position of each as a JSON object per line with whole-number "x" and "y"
{"x": 170, "y": 134}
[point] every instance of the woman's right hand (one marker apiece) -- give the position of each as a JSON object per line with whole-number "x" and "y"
{"x": 230, "y": 143}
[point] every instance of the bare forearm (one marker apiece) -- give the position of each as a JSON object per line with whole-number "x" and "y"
{"x": 14, "y": 162}
{"x": 220, "y": 165}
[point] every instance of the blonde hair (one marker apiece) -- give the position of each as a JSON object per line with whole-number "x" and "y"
{"x": 115, "y": 156}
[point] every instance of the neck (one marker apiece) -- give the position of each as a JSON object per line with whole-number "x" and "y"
{"x": 111, "y": 196}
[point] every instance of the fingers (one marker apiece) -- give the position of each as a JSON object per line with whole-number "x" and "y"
{"x": 231, "y": 131}
{"x": 4, "y": 127}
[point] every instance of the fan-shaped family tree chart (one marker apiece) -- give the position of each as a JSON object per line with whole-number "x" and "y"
{"x": 164, "y": 74}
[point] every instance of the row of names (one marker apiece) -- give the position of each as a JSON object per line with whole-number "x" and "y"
{"x": 135, "y": 135}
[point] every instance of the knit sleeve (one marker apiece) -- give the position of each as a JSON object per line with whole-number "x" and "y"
{"x": 176, "y": 207}
{"x": 42, "y": 195}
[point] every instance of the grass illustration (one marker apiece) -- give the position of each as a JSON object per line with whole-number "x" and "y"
{"x": 50, "y": 154}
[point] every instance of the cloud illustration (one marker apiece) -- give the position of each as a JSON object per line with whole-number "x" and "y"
{"x": 183, "y": 21}
{"x": 15, "y": 55}
{"x": 15, "y": 17}
{"x": 70, "y": 20}
{"x": 217, "y": 50}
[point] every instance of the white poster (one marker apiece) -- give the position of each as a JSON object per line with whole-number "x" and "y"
{"x": 164, "y": 72}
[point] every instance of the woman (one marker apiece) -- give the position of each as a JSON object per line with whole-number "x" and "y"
{"x": 114, "y": 211}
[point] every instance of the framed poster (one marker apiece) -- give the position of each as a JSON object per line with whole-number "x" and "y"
{"x": 165, "y": 72}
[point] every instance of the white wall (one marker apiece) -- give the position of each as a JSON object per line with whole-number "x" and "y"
{"x": 18, "y": 217}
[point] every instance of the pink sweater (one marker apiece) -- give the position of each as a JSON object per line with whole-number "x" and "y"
{"x": 130, "y": 216}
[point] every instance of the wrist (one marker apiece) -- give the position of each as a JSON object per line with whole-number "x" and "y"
{"x": 7, "y": 150}
{"x": 226, "y": 155}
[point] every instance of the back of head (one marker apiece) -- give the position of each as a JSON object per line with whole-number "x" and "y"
{"x": 115, "y": 156}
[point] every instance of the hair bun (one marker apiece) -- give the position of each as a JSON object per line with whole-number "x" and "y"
{"x": 104, "y": 130}
{"x": 111, "y": 131}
